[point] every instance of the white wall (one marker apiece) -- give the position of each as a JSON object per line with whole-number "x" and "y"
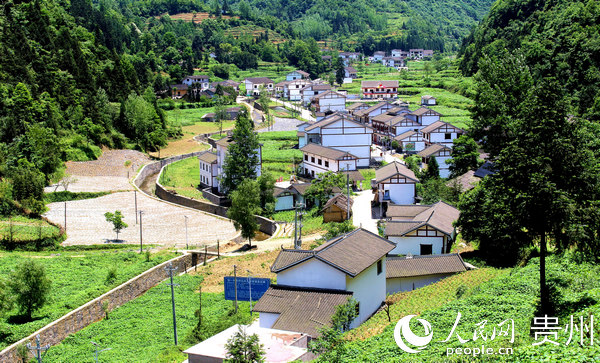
{"x": 333, "y": 104}
{"x": 266, "y": 320}
{"x": 428, "y": 120}
{"x": 444, "y": 167}
{"x": 412, "y": 245}
{"x": 284, "y": 203}
{"x": 440, "y": 138}
{"x": 419, "y": 146}
{"x": 206, "y": 172}
{"x": 401, "y": 193}
{"x": 369, "y": 290}
{"x": 313, "y": 273}
{"x": 406, "y": 283}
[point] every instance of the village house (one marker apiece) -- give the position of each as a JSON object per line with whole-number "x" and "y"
{"x": 222, "y": 146}
{"x": 441, "y": 153}
{"x": 350, "y": 72}
{"x": 356, "y": 106}
{"x": 297, "y": 74}
{"x": 378, "y": 56}
{"x": 441, "y": 132}
{"x": 339, "y": 131}
{"x": 392, "y": 123}
{"x": 407, "y": 273}
{"x": 411, "y": 141}
{"x": 337, "y": 209}
{"x": 329, "y": 101}
{"x": 424, "y": 116}
{"x": 230, "y": 114}
{"x": 202, "y": 81}
{"x": 395, "y": 183}
{"x": 379, "y": 89}
{"x": 318, "y": 159}
{"x": 349, "y": 57}
{"x": 179, "y": 90}
{"x": 311, "y": 283}
{"x": 293, "y": 89}
{"x": 280, "y": 89}
{"x": 427, "y": 53}
{"x": 428, "y": 100}
{"x": 208, "y": 170}
{"x": 228, "y": 83}
{"x": 366, "y": 114}
{"x": 287, "y": 198}
{"x": 393, "y": 62}
{"x": 253, "y": 85}
{"x": 421, "y": 229}
{"x": 307, "y": 93}
{"x": 400, "y": 53}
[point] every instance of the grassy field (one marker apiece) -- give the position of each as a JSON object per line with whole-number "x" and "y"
{"x": 77, "y": 277}
{"x": 26, "y": 229}
{"x": 279, "y": 156}
{"x": 142, "y": 330}
{"x": 183, "y": 177}
{"x": 511, "y": 294}
{"x": 368, "y": 174}
{"x": 274, "y": 71}
{"x": 312, "y": 221}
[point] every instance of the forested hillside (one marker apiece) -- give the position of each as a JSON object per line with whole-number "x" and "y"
{"x": 557, "y": 38}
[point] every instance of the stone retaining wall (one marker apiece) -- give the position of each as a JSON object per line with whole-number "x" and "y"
{"x": 93, "y": 311}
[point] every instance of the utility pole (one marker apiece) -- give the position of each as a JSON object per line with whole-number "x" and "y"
{"x": 141, "y": 239}
{"x": 250, "y": 289}
{"x": 170, "y": 270}
{"x": 235, "y": 286}
{"x": 38, "y": 348}
{"x": 98, "y": 350}
{"x": 298, "y": 225}
{"x": 348, "y": 195}
{"x": 186, "y": 233}
{"x": 136, "y": 211}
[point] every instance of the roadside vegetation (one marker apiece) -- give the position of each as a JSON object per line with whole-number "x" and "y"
{"x": 183, "y": 177}
{"x": 76, "y": 277}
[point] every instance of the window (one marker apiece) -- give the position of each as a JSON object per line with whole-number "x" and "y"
{"x": 312, "y": 159}
{"x": 319, "y": 162}
{"x": 357, "y": 308}
{"x": 379, "y": 267}
{"x": 305, "y": 157}
{"x": 426, "y": 249}
{"x": 326, "y": 163}
{"x": 447, "y": 136}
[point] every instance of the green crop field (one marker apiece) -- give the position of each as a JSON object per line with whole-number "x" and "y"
{"x": 312, "y": 221}
{"x": 279, "y": 156}
{"x": 511, "y": 294}
{"x": 77, "y": 277}
{"x": 142, "y": 330}
{"x": 183, "y": 177}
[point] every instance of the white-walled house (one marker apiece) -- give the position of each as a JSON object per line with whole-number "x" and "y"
{"x": 329, "y": 101}
{"x": 201, "y": 80}
{"x": 441, "y": 153}
{"x": 350, "y": 72}
{"x": 297, "y": 74}
{"x": 222, "y": 146}
{"x": 393, "y": 62}
{"x": 208, "y": 170}
{"x": 441, "y": 132}
{"x": 378, "y": 56}
{"x": 428, "y": 100}
{"x": 421, "y": 229}
{"x": 351, "y": 265}
{"x": 253, "y": 85}
{"x": 400, "y": 53}
{"x": 294, "y": 89}
{"x": 396, "y": 183}
{"x": 379, "y": 89}
{"x": 407, "y": 273}
{"x": 287, "y": 198}
{"x": 411, "y": 141}
{"x": 339, "y": 131}
{"x": 302, "y": 134}
{"x": 307, "y": 93}
{"x": 365, "y": 115}
{"x": 319, "y": 159}
{"x": 424, "y": 116}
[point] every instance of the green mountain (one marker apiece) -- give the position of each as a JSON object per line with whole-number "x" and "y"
{"x": 557, "y": 38}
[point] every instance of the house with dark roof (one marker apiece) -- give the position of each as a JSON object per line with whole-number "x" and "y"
{"x": 208, "y": 169}
{"x": 424, "y": 116}
{"x": 295, "y": 193}
{"x": 365, "y": 115}
{"x": 441, "y": 132}
{"x": 339, "y": 131}
{"x": 231, "y": 113}
{"x": 407, "y": 273}
{"x": 202, "y": 81}
{"x": 421, "y": 229}
{"x": 254, "y": 85}
{"x": 411, "y": 141}
{"x": 441, "y": 153}
{"x": 319, "y": 159}
{"x": 329, "y": 101}
{"x": 427, "y": 100}
{"x": 350, "y": 72}
{"x": 378, "y": 56}
{"x": 350, "y": 265}
{"x": 379, "y": 89}
{"x": 337, "y": 209}
{"x": 395, "y": 183}
{"x": 297, "y": 74}
{"x": 307, "y": 93}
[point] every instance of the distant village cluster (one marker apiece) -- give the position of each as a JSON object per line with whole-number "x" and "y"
{"x": 410, "y": 250}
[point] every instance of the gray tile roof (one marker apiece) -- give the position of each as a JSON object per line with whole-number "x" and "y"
{"x": 208, "y": 157}
{"x": 440, "y": 216}
{"x": 375, "y": 84}
{"x": 301, "y": 310}
{"x": 397, "y": 266}
{"x": 423, "y": 110}
{"x": 394, "y": 168}
{"x": 326, "y": 152}
{"x": 257, "y": 80}
{"x": 339, "y": 200}
{"x": 431, "y": 150}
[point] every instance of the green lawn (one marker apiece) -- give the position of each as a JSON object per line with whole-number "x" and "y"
{"x": 279, "y": 156}
{"x": 312, "y": 220}
{"x": 142, "y": 330}
{"x": 77, "y": 277}
{"x": 188, "y": 116}
{"x": 26, "y": 229}
{"x": 368, "y": 174}
{"x": 183, "y": 177}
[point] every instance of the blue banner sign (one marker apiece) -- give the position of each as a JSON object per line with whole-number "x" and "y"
{"x": 258, "y": 286}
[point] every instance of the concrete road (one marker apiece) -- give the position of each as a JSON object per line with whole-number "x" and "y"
{"x": 304, "y": 113}
{"x": 361, "y": 211}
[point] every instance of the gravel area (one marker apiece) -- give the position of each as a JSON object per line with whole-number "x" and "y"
{"x": 163, "y": 223}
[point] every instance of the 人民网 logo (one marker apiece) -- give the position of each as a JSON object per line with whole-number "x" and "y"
{"x": 402, "y": 332}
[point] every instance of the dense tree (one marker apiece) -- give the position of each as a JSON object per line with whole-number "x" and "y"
{"x": 330, "y": 345}
{"x": 322, "y": 188}
{"x": 432, "y": 171}
{"x": 245, "y": 203}
{"x": 29, "y": 286}
{"x": 464, "y": 156}
{"x": 266, "y": 186}
{"x": 241, "y": 160}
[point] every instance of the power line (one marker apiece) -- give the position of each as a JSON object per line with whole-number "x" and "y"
{"x": 38, "y": 348}
{"x": 170, "y": 270}
{"x": 98, "y": 350}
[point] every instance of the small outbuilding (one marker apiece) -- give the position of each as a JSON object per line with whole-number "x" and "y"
{"x": 337, "y": 209}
